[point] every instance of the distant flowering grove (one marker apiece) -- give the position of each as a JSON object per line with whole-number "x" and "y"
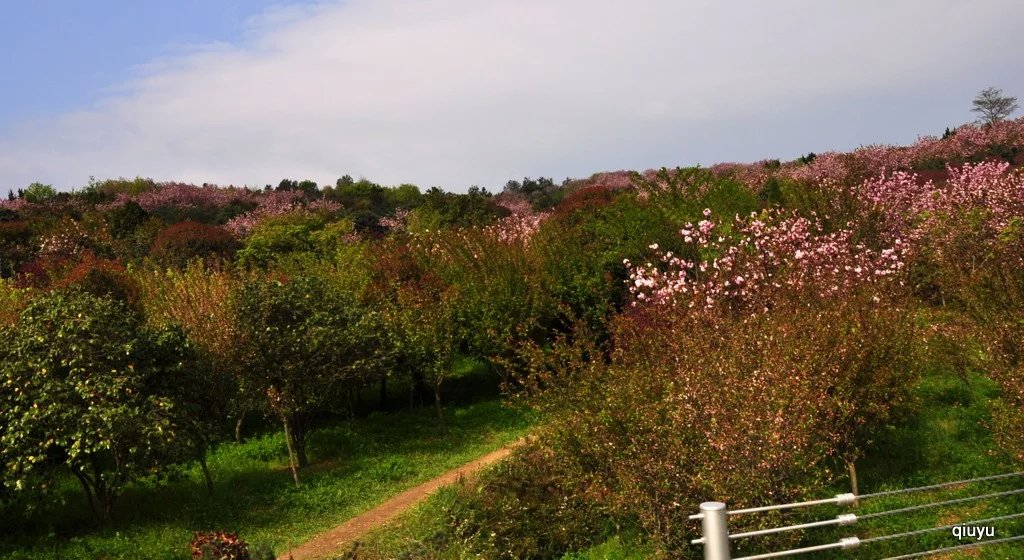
{"x": 741, "y": 332}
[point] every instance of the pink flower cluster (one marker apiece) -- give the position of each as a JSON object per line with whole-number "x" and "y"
{"x": 612, "y": 179}
{"x": 517, "y": 228}
{"x": 16, "y": 204}
{"x": 909, "y": 206}
{"x": 764, "y": 257}
{"x": 967, "y": 142}
{"x": 520, "y": 225}
{"x": 184, "y": 195}
{"x": 747, "y": 173}
{"x": 397, "y": 223}
{"x": 274, "y": 204}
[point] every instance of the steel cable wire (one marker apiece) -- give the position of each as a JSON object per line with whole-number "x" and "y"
{"x": 940, "y": 504}
{"x": 954, "y": 548}
{"x": 938, "y": 486}
{"x": 942, "y": 528}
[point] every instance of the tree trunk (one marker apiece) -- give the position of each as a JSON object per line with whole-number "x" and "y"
{"x": 291, "y": 448}
{"x": 238, "y": 427}
{"x": 206, "y": 472}
{"x": 437, "y": 406}
{"x": 383, "y": 392}
{"x": 852, "y": 468}
{"x": 299, "y": 441}
{"x": 103, "y": 491}
{"x": 417, "y": 390}
{"x": 87, "y": 490}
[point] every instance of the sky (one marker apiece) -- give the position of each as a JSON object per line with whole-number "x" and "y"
{"x": 455, "y": 93}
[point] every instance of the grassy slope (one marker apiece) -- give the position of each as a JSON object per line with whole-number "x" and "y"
{"x": 356, "y": 465}
{"x": 946, "y": 440}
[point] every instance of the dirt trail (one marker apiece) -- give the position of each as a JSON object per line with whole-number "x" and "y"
{"x": 344, "y": 534}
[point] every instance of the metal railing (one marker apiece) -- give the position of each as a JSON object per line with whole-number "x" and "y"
{"x": 716, "y": 538}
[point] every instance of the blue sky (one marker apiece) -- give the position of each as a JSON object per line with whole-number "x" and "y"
{"x": 456, "y": 93}
{"x": 61, "y": 55}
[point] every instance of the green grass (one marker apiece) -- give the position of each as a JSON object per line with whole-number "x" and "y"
{"x": 355, "y": 466}
{"x": 947, "y": 439}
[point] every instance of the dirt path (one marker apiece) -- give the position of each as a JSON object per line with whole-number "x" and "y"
{"x": 336, "y": 538}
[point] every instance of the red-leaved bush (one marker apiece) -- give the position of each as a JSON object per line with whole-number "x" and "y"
{"x": 101, "y": 277}
{"x": 185, "y": 241}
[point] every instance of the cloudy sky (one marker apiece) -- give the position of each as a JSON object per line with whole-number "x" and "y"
{"x": 456, "y": 93}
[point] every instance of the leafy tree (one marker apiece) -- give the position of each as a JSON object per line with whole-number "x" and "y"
{"x": 993, "y": 106}
{"x": 306, "y": 343}
{"x": 475, "y": 208}
{"x": 309, "y": 187}
{"x": 428, "y": 326}
{"x": 84, "y": 385}
{"x": 38, "y": 192}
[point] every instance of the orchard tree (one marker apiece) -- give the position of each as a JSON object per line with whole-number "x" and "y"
{"x": 85, "y": 386}
{"x": 993, "y": 106}
{"x": 306, "y": 344}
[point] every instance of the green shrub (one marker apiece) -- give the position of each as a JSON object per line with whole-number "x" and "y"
{"x": 125, "y": 219}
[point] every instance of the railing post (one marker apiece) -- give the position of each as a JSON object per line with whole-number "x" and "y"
{"x": 715, "y": 529}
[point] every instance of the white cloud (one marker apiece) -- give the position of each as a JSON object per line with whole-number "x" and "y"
{"x": 464, "y": 92}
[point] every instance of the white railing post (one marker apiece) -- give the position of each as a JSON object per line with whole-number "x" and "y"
{"x": 715, "y": 529}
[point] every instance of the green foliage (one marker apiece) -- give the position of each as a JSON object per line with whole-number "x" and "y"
{"x": 39, "y": 193}
{"x": 475, "y": 208}
{"x": 86, "y": 387}
{"x": 365, "y": 462}
{"x": 307, "y": 186}
{"x": 583, "y": 245}
{"x": 121, "y": 185}
{"x": 125, "y": 219}
{"x": 541, "y": 193}
{"x": 807, "y": 159}
{"x": 306, "y": 342}
{"x": 367, "y": 202}
{"x": 296, "y": 234}
{"x": 12, "y": 300}
{"x": 684, "y": 192}
{"x": 15, "y": 246}
{"x": 493, "y": 291}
